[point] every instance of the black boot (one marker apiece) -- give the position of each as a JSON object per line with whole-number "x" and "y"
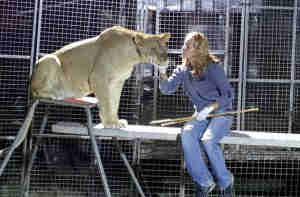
{"x": 204, "y": 191}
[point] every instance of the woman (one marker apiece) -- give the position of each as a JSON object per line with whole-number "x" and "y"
{"x": 205, "y": 83}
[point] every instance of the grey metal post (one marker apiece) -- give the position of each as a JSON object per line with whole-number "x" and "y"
{"x": 245, "y": 63}
{"x": 227, "y": 32}
{"x": 33, "y": 39}
{"x": 19, "y": 139}
{"x": 96, "y": 151}
{"x": 140, "y": 16}
{"x": 140, "y": 90}
{"x": 39, "y": 24}
{"x": 155, "y": 91}
{"x": 240, "y": 82}
{"x": 35, "y": 48}
{"x": 130, "y": 170}
{"x": 292, "y": 87}
{"x": 31, "y": 68}
{"x": 121, "y": 13}
{"x": 180, "y": 5}
{"x": 182, "y": 172}
{"x": 26, "y": 183}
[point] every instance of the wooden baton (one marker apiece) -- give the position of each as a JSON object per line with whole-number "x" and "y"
{"x": 169, "y": 121}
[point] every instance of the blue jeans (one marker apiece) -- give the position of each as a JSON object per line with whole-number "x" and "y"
{"x": 205, "y": 135}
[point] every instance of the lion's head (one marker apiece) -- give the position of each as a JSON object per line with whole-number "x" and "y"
{"x": 153, "y": 48}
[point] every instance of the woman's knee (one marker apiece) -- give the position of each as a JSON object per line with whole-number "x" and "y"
{"x": 189, "y": 137}
{"x": 186, "y": 137}
{"x": 210, "y": 144}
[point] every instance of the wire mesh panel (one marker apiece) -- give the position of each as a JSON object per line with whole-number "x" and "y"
{"x": 269, "y": 56}
{"x": 258, "y": 171}
{"x": 234, "y": 35}
{"x": 269, "y": 43}
{"x": 10, "y": 181}
{"x": 235, "y": 103}
{"x": 160, "y": 168}
{"x": 273, "y": 101}
{"x": 297, "y": 50}
{"x": 67, "y": 167}
{"x": 66, "y": 22}
{"x": 209, "y": 21}
{"x": 16, "y": 20}
{"x": 264, "y": 173}
{"x": 288, "y": 3}
{"x": 13, "y": 94}
{"x": 295, "y": 113}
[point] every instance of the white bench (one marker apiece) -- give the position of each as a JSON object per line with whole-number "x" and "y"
{"x": 170, "y": 133}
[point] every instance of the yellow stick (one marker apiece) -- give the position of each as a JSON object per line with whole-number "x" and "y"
{"x": 168, "y": 122}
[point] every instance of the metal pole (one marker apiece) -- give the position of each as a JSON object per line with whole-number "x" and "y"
{"x": 130, "y": 170}
{"x": 155, "y": 90}
{"x": 227, "y": 31}
{"x": 36, "y": 31}
{"x": 97, "y": 154}
{"x": 182, "y": 170}
{"x": 38, "y": 36}
{"x": 292, "y": 87}
{"x": 121, "y": 13}
{"x": 240, "y": 82}
{"x": 26, "y": 183}
{"x": 22, "y": 133}
{"x": 245, "y": 63}
{"x": 140, "y": 90}
{"x": 33, "y": 39}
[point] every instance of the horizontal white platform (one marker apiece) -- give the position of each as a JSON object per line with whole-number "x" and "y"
{"x": 170, "y": 133}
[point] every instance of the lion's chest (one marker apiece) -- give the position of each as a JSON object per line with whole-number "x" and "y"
{"x": 118, "y": 76}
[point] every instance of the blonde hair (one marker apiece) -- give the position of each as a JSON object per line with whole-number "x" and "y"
{"x": 199, "y": 57}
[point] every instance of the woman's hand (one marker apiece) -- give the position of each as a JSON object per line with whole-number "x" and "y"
{"x": 202, "y": 115}
{"x": 163, "y": 72}
{"x": 215, "y": 105}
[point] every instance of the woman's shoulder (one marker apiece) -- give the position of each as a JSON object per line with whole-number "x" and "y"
{"x": 214, "y": 67}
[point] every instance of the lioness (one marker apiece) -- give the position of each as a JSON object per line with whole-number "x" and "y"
{"x": 98, "y": 65}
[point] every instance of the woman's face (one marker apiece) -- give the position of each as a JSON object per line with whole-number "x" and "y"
{"x": 187, "y": 48}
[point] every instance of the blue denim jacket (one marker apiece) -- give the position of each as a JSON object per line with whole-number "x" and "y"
{"x": 212, "y": 86}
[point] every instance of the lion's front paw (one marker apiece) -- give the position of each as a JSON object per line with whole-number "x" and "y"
{"x": 116, "y": 124}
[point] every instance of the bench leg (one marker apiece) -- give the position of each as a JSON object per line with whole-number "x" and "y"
{"x": 97, "y": 154}
{"x": 129, "y": 168}
{"x": 26, "y": 184}
{"x": 22, "y": 133}
{"x": 182, "y": 169}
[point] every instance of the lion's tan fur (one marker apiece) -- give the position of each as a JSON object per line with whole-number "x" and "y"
{"x": 97, "y": 65}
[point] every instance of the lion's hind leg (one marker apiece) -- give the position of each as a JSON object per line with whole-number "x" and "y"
{"x": 45, "y": 81}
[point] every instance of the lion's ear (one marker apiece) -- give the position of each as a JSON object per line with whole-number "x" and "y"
{"x": 164, "y": 38}
{"x": 138, "y": 39}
